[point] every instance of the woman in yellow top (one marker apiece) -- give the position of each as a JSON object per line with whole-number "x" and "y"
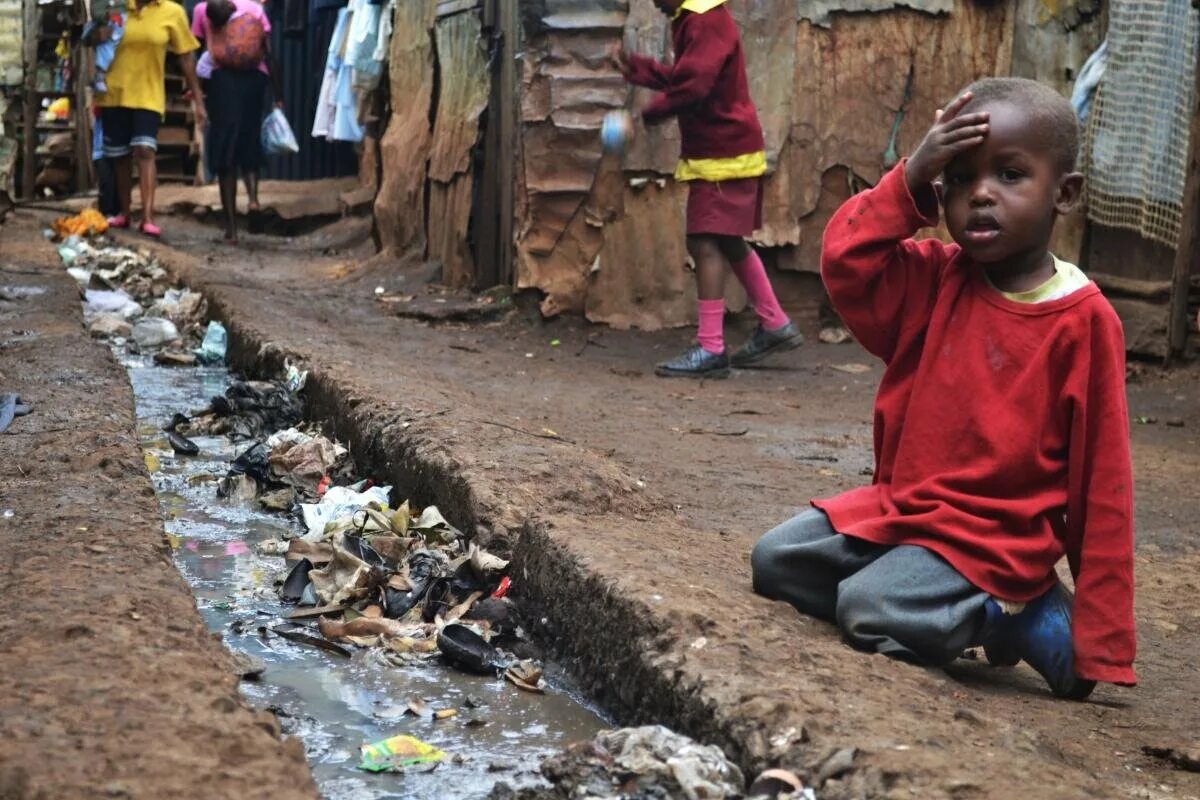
{"x": 133, "y": 106}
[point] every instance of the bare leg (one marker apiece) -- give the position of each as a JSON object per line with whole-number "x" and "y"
{"x": 123, "y": 176}
{"x": 228, "y": 182}
{"x": 250, "y": 178}
{"x": 147, "y": 180}
{"x": 710, "y": 267}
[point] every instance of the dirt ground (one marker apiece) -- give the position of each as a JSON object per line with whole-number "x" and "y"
{"x": 634, "y": 502}
{"x": 110, "y": 685}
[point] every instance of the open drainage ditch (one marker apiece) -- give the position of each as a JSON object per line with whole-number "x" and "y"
{"x": 334, "y": 704}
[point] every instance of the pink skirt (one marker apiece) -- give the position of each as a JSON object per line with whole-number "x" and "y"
{"x": 725, "y": 208}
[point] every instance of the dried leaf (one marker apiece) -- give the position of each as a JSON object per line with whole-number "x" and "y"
{"x": 400, "y": 583}
{"x": 484, "y": 562}
{"x": 372, "y": 612}
{"x": 363, "y": 626}
{"x": 400, "y": 519}
{"x": 419, "y": 708}
{"x": 445, "y": 713}
{"x": 853, "y": 369}
{"x": 525, "y": 675}
{"x": 457, "y": 612}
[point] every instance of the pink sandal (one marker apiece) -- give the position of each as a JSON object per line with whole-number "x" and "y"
{"x": 119, "y": 221}
{"x": 150, "y": 229}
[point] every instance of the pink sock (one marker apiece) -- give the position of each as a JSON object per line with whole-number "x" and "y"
{"x": 753, "y": 276}
{"x": 711, "y": 334}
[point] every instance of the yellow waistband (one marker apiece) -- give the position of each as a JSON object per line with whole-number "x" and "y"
{"x": 750, "y": 165}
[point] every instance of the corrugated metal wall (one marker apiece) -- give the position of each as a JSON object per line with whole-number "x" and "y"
{"x": 302, "y": 63}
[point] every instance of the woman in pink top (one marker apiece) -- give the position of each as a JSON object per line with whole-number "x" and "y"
{"x": 236, "y": 36}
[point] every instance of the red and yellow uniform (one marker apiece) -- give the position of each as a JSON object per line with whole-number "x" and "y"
{"x": 706, "y": 89}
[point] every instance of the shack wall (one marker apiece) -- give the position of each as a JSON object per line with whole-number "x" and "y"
{"x": 843, "y": 90}
{"x": 830, "y": 88}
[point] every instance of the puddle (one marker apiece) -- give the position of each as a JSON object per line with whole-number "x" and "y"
{"x": 332, "y": 703}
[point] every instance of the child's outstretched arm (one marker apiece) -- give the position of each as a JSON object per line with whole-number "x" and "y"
{"x": 881, "y": 282}
{"x": 642, "y": 70}
{"x": 1099, "y": 541}
{"x": 705, "y": 42}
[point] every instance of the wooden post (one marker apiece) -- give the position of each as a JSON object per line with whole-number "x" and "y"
{"x": 31, "y": 107}
{"x": 1187, "y": 251}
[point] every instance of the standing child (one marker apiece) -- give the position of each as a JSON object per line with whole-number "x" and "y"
{"x": 723, "y": 160}
{"x": 1001, "y": 429}
{"x": 106, "y": 28}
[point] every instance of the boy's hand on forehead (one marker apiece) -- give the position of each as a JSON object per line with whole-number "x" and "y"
{"x": 951, "y": 133}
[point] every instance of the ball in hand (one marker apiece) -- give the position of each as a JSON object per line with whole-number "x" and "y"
{"x": 615, "y": 131}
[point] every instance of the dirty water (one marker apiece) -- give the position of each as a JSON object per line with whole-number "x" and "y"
{"x": 332, "y": 703}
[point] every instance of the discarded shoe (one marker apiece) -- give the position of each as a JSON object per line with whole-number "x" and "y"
{"x": 467, "y": 650}
{"x": 177, "y": 420}
{"x": 1040, "y": 635}
{"x": 763, "y": 343}
{"x": 181, "y": 444}
{"x": 695, "y": 363}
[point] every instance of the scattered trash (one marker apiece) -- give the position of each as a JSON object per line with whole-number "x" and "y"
{"x": 466, "y": 649}
{"x": 780, "y": 782}
{"x": 181, "y": 444}
{"x": 117, "y": 301}
{"x": 853, "y": 369}
{"x": 397, "y": 753}
{"x": 174, "y": 358}
{"x": 212, "y": 349}
{"x": 151, "y": 332}
{"x": 645, "y": 762}
{"x": 250, "y": 410}
{"x": 181, "y": 306}
{"x": 834, "y": 335}
{"x": 88, "y": 222}
{"x": 525, "y": 675}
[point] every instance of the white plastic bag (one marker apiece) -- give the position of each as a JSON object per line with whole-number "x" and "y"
{"x": 277, "y": 136}
{"x": 339, "y": 501}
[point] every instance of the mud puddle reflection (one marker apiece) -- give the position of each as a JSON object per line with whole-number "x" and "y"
{"x": 332, "y": 703}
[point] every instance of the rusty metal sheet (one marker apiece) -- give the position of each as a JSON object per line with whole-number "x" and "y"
{"x": 573, "y": 15}
{"x": 1051, "y": 40}
{"x": 820, "y": 12}
{"x": 449, "y": 220}
{"x": 640, "y": 278}
{"x": 769, "y": 42}
{"x": 404, "y": 147}
{"x": 656, "y": 148}
{"x": 849, "y": 93}
{"x": 462, "y": 97}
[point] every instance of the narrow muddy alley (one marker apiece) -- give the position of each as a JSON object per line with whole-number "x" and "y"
{"x": 333, "y": 703}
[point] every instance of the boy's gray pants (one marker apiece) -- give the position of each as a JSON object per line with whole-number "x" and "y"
{"x": 905, "y": 601}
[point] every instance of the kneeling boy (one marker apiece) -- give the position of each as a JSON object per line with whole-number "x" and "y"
{"x": 1001, "y": 429}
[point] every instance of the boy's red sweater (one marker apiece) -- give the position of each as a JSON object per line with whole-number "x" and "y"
{"x": 706, "y": 87}
{"x": 1001, "y": 428}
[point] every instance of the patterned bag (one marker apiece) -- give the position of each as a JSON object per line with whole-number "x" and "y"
{"x": 239, "y": 44}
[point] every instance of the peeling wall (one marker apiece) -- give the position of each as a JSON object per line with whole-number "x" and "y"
{"x": 843, "y": 88}
{"x": 404, "y": 147}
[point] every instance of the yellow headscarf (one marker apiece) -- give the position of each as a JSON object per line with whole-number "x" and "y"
{"x": 698, "y": 6}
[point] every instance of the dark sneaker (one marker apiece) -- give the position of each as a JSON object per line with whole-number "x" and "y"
{"x": 763, "y": 343}
{"x": 695, "y": 363}
{"x": 1041, "y": 637}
